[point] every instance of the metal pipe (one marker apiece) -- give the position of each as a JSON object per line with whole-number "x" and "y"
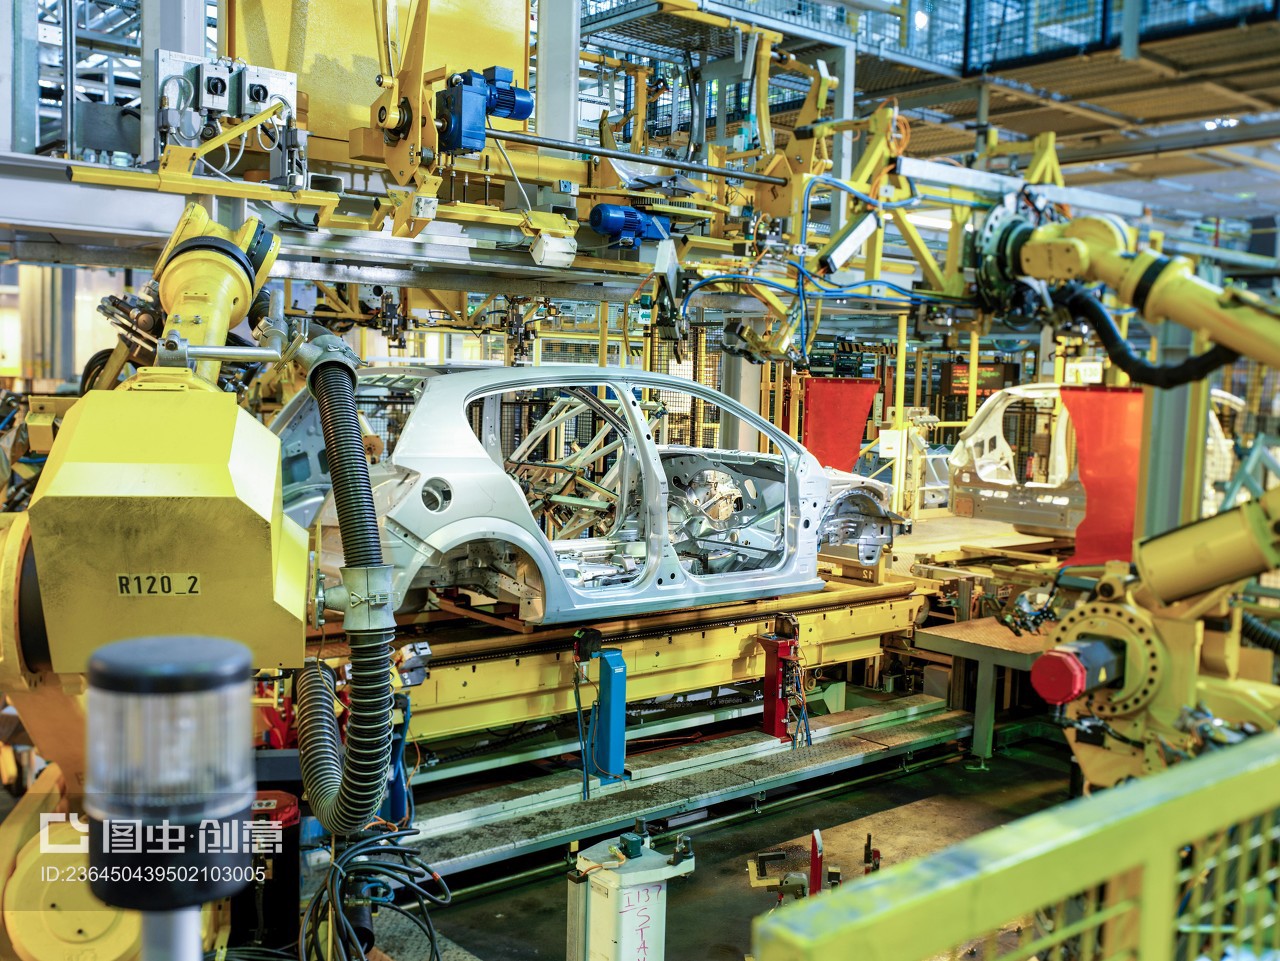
{"x": 245, "y": 354}
{"x": 513, "y": 136}
{"x": 172, "y": 935}
{"x": 69, "y": 76}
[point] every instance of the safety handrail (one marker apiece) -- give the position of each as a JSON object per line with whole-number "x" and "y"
{"x": 1178, "y": 865}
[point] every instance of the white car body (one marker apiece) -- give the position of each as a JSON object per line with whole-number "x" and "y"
{"x": 597, "y": 521}
{"x": 984, "y": 481}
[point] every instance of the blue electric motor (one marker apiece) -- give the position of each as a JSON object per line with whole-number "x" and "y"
{"x": 628, "y": 226}
{"x": 470, "y": 98}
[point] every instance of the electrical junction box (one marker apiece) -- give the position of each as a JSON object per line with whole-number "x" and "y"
{"x": 553, "y": 251}
{"x": 891, "y": 443}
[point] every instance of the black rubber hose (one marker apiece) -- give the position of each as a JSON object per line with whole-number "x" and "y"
{"x": 1086, "y": 307}
{"x": 335, "y": 391}
{"x": 1259, "y": 632}
{"x": 93, "y": 370}
{"x": 345, "y": 794}
{"x": 260, "y": 307}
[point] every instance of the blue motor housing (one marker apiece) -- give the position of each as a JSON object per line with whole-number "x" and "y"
{"x": 628, "y": 226}
{"x": 471, "y": 97}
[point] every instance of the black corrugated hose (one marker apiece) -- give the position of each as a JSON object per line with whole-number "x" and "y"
{"x": 1086, "y": 307}
{"x": 335, "y": 391}
{"x": 1258, "y": 631}
{"x": 345, "y": 795}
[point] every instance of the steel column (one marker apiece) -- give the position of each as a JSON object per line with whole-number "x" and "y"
{"x": 983, "y": 117}
{"x": 20, "y": 79}
{"x": 740, "y": 379}
{"x": 559, "y": 46}
{"x": 69, "y": 77}
{"x": 984, "y": 709}
{"x": 46, "y": 309}
{"x": 843, "y": 66}
{"x": 1175, "y": 423}
{"x": 1130, "y": 31}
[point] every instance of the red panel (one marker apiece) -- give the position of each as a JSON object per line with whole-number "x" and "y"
{"x": 835, "y": 417}
{"x": 817, "y": 874}
{"x": 778, "y": 651}
{"x": 1108, "y": 423}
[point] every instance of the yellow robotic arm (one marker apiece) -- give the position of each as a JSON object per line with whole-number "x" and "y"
{"x": 208, "y": 277}
{"x": 1160, "y": 287}
{"x": 159, "y": 508}
{"x": 1148, "y": 669}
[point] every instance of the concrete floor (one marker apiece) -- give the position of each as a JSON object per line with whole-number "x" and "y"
{"x": 710, "y": 913}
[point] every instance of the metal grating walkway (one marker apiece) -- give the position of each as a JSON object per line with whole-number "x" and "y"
{"x": 758, "y": 764}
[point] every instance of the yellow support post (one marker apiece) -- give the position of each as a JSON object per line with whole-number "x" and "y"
{"x": 916, "y": 394}
{"x": 602, "y": 318}
{"x": 899, "y": 424}
{"x": 972, "y": 406}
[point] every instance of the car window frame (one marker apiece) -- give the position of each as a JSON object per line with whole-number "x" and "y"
{"x": 650, "y": 461}
{"x": 790, "y": 451}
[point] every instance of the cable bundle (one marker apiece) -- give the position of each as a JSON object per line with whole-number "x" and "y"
{"x": 370, "y": 873}
{"x": 800, "y": 712}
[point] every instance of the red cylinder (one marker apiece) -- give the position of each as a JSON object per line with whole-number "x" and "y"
{"x": 1058, "y": 676}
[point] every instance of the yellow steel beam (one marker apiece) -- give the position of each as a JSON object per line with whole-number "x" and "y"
{"x": 920, "y": 250}
{"x": 171, "y": 179}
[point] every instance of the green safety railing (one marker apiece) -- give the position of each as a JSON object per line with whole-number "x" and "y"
{"x": 1177, "y": 867}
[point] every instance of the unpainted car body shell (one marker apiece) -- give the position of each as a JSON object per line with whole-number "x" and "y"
{"x": 444, "y": 488}
{"x": 984, "y": 484}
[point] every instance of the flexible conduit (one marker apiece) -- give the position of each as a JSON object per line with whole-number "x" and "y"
{"x": 1085, "y": 306}
{"x": 345, "y": 793}
{"x": 1262, "y": 634}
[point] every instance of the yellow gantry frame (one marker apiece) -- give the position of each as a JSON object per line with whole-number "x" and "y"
{"x": 411, "y": 160}
{"x": 665, "y": 654}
